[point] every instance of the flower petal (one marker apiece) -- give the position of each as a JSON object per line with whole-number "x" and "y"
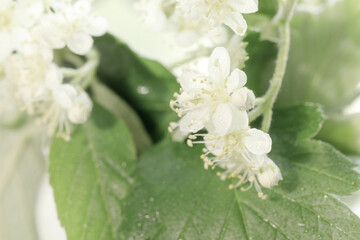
{"x": 245, "y": 6}
{"x": 53, "y": 77}
{"x": 237, "y": 79}
{"x": 80, "y": 43}
{"x": 187, "y": 38}
{"x": 236, "y": 22}
{"x": 219, "y": 65}
{"x": 97, "y": 25}
{"x": 195, "y": 120}
{"x": 241, "y": 119}
{"x": 192, "y": 82}
{"x": 257, "y": 142}
{"x": 222, "y": 119}
{"x": 215, "y": 147}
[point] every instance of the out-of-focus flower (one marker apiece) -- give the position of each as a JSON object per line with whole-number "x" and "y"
{"x": 72, "y": 25}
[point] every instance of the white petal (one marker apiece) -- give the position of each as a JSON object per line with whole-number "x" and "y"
{"x": 219, "y": 65}
{"x": 54, "y": 77}
{"x": 222, "y": 119}
{"x": 245, "y": 6}
{"x": 240, "y": 119}
{"x": 80, "y": 43}
{"x": 236, "y": 22}
{"x": 64, "y": 95}
{"x": 82, "y": 7}
{"x": 27, "y": 12}
{"x": 237, "y": 79}
{"x": 97, "y": 26}
{"x": 187, "y": 38}
{"x": 52, "y": 33}
{"x": 195, "y": 120}
{"x": 257, "y": 142}
{"x": 192, "y": 82}
{"x": 215, "y": 147}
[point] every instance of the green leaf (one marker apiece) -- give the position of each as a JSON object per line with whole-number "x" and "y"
{"x": 175, "y": 198}
{"x": 146, "y": 85}
{"x": 113, "y": 103}
{"x": 21, "y": 168}
{"x": 91, "y": 176}
{"x": 343, "y": 132}
{"x": 324, "y": 58}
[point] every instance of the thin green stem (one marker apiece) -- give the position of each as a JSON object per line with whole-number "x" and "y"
{"x": 266, "y": 107}
{"x": 84, "y": 74}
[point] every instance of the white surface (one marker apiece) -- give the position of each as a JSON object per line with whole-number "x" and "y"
{"x": 47, "y": 222}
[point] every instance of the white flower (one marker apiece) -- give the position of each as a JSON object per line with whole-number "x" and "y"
{"x": 30, "y": 75}
{"x": 56, "y": 115}
{"x": 72, "y": 26}
{"x": 68, "y": 105}
{"x": 243, "y": 153}
{"x": 213, "y": 13}
{"x": 217, "y": 101}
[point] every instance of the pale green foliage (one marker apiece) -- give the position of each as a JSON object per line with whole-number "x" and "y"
{"x": 324, "y": 58}
{"x": 175, "y": 198}
{"x": 91, "y": 176}
{"x": 113, "y": 103}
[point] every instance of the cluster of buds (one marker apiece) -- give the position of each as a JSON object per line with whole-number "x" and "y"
{"x": 30, "y": 31}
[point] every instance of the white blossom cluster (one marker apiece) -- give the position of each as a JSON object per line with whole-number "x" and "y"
{"x": 219, "y": 103}
{"x": 30, "y": 30}
{"x": 197, "y": 20}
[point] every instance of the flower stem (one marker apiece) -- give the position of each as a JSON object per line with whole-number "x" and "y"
{"x": 85, "y": 72}
{"x": 265, "y": 108}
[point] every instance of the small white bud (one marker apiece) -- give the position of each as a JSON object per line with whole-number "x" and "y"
{"x": 269, "y": 174}
{"x": 243, "y": 98}
{"x": 81, "y": 109}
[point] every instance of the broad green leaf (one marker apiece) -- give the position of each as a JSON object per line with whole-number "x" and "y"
{"x": 175, "y": 198}
{"x": 343, "y": 132}
{"x": 21, "y": 168}
{"x": 146, "y": 85}
{"x": 113, "y": 103}
{"x": 324, "y": 58}
{"x": 91, "y": 176}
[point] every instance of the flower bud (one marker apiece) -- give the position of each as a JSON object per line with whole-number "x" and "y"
{"x": 81, "y": 109}
{"x": 243, "y": 98}
{"x": 269, "y": 174}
